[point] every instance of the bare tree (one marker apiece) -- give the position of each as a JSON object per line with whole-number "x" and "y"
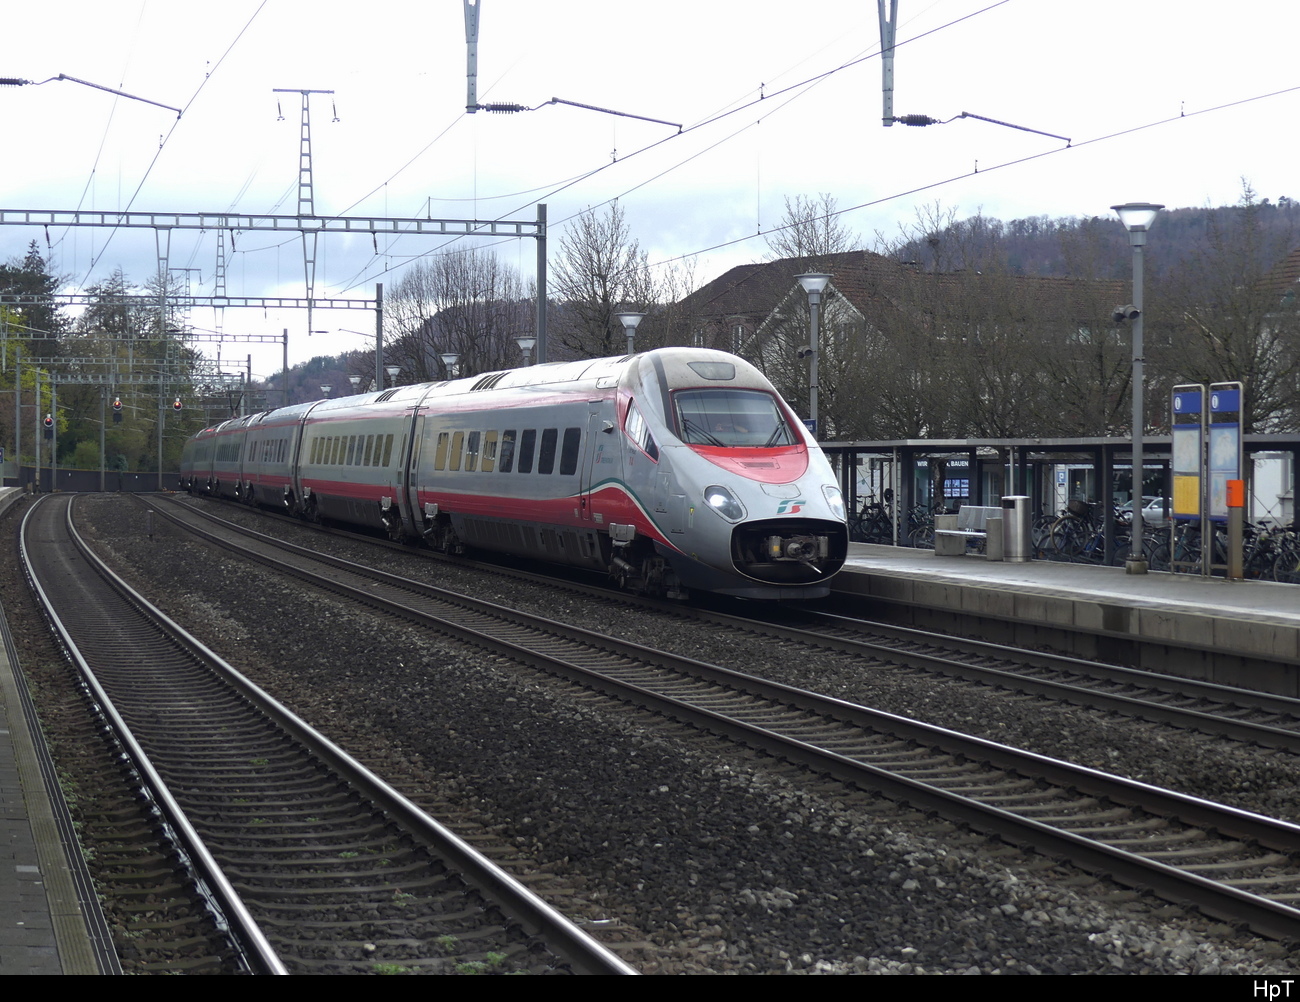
{"x": 668, "y": 322}
{"x": 1090, "y": 361}
{"x": 811, "y": 230}
{"x": 601, "y": 271}
{"x": 1229, "y": 313}
{"x": 467, "y": 303}
{"x": 846, "y": 343}
{"x": 974, "y": 348}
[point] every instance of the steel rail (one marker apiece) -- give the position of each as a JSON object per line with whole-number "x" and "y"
{"x": 1269, "y": 917}
{"x": 1206, "y": 721}
{"x": 232, "y": 910}
{"x": 584, "y": 953}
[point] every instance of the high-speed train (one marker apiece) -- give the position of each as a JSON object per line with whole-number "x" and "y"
{"x": 670, "y": 470}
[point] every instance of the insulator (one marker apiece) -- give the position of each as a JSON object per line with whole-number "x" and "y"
{"x": 916, "y": 120}
{"x": 503, "y": 107}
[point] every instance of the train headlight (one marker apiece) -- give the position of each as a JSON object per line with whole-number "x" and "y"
{"x": 836, "y": 501}
{"x": 724, "y": 503}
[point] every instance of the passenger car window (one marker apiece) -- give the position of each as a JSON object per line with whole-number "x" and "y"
{"x": 546, "y": 455}
{"x": 569, "y": 451}
{"x": 507, "y": 450}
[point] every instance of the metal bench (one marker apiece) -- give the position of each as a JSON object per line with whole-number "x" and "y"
{"x": 953, "y": 533}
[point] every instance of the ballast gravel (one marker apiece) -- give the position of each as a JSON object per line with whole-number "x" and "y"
{"x": 706, "y": 857}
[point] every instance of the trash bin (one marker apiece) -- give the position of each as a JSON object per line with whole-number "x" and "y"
{"x": 1017, "y": 526}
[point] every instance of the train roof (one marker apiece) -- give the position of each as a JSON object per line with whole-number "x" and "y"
{"x": 675, "y": 362}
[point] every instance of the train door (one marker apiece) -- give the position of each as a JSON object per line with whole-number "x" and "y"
{"x": 600, "y": 452}
{"x": 414, "y": 474}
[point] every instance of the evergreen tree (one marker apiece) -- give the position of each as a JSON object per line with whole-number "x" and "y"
{"x": 35, "y": 316}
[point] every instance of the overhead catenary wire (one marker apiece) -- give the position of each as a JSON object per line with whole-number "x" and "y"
{"x": 163, "y": 143}
{"x": 364, "y": 275}
{"x": 931, "y": 185}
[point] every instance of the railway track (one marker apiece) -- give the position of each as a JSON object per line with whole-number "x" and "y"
{"x": 313, "y": 862}
{"x": 1235, "y": 865}
{"x": 1224, "y": 711}
{"x": 1246, "y": 715}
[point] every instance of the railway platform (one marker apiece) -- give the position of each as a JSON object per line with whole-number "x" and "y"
{"x": 1241, "y": 633}
{"x": 41, "y": 926}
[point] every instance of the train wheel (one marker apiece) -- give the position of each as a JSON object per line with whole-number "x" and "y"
{"x": 446, "y": 541}
{"x": 392, "y": 520}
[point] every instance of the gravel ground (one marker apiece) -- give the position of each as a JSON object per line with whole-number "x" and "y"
{"x": 718, "y": 860}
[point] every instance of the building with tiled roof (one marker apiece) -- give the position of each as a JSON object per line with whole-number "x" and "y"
{"x": 908, "y": 352}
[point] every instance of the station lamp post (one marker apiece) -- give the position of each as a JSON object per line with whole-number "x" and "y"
{"x": 526, "y": 345}
{"x": 392, "y": 371}
{"x": 813, "y": 284}
{"x": 451, "y": 359}
{"x": 630, "y": 322}
{"x": 1137, "y": 218}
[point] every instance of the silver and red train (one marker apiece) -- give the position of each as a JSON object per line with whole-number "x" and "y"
{"x": 670, "y": 470}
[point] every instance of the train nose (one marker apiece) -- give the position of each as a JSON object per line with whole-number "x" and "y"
{"x": 783, "y": 551}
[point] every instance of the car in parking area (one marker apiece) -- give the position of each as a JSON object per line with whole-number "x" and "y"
{"x": 1155, "y": 511}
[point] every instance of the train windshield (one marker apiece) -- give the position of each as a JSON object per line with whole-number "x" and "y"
{"x": 731, "y": 418}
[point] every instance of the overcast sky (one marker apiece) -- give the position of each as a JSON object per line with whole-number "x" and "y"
{"x": 1132, "y": 84}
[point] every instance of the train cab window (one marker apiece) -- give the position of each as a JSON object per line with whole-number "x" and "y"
{"x": 546, "y": 454}
{"x": 370, "y": 446}
{"x": 457, "y": 444}
{"x": 440, "y": 456}
{"x": 507, "y": 451}
{"x": 569, "y": 451}
{"x": 527, "y": 442}
{"x": 471, "y": 452}
{"x": 639, "y": 432}
{"x": 489, "y": 451}
{"x": 388, "y": 448}
{"x": 731, "y": 418}
{"x": 352, "y": 450}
